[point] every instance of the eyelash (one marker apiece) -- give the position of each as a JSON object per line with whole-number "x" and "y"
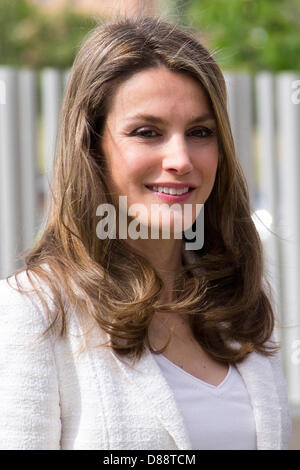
{"x": 139, "y": 133}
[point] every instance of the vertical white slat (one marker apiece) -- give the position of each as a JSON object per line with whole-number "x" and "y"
{"x": 51, "y": 82}
{"x": 231, "y": 97}
{"x": 10, "y": 203}
{"x": 239, "y": 89}
{"x": 2, "y": 92}
{"x": 268, "y": 182}
{"x": 28, "y": 154}
{"x": 288, "y": 131}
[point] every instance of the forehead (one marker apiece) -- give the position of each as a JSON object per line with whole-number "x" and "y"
{"x": 159, "y": 91}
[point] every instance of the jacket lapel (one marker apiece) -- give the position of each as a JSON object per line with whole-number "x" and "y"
{"x": 257, "y": 373}
{"x": 151, "y": 383}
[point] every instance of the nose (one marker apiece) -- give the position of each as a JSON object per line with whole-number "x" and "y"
{"x": 176, "y": 156}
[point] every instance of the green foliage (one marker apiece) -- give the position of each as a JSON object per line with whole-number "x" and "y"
{"x": 250, "y": 34}
{"x": 246, "y": 34}
{"x": 31, "y": 37}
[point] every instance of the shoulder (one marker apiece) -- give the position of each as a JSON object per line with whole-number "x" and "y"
{"x": 21, "y": 308}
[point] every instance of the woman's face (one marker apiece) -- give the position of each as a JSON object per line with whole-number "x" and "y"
{"x": 160, "y": 137}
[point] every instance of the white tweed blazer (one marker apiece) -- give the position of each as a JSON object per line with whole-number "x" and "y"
{"x": 52, "y": 396}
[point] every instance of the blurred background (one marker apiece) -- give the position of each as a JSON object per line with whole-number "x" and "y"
{"x": 257, "y": 45}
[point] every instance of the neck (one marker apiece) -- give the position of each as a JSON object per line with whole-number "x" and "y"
{"x": 165, "y": 256}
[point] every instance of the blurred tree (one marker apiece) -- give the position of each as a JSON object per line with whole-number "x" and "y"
{"x": 12, "y": 13}
{"x": 246, "y": 34}
{"x": 250, "y": 34}
{"x": 31, "y": 37}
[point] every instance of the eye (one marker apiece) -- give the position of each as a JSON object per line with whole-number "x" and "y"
{"x": 203, "y": 132}
{"x": 145, "y": 133}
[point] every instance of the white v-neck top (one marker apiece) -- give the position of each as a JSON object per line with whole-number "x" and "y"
{"x": 216, "y": 417}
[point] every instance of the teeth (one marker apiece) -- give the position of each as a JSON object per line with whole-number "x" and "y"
{"x": 172, "y": 191}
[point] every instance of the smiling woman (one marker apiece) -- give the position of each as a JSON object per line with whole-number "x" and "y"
{"x": 86, "y": 354}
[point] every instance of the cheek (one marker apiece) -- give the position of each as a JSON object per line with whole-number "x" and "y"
{"x": 127, "y": 169}
{"x": 135, "y": 165}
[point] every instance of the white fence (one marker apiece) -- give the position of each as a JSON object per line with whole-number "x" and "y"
{"x": 265, "y": 117}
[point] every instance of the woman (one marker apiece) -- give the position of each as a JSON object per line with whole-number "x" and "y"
{"x": 136, "y": 342}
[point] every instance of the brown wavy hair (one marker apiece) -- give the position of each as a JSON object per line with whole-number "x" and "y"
{"x": 222, "y": 291}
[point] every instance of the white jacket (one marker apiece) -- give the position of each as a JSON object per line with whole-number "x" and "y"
{"x": 52, "y": 396}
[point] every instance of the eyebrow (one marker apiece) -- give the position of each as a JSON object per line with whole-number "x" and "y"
{"x": 155, "y": 119}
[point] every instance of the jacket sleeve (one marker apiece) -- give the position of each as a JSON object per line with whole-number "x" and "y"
{"x": 29, "y": 393}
